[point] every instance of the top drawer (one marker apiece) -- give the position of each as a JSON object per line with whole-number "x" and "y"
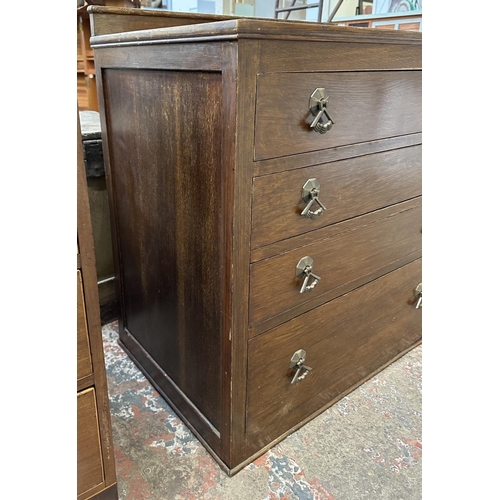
{"x": 364, "y": 106}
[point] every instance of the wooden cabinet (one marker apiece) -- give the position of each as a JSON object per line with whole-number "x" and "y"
{"x": 264, "y": 179}
{"x": 85, "y": 71}
{"x": 96, "y": 477}
{"x": 406, "y": 21}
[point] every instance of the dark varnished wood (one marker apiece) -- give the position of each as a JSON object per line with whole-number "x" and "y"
{"x": 243, "y": 28}
{"x": 165, "y": 244}
{"x": 90, "y": 303}
{"x": 155, "y": 57}
{"x": 338, "y": 260}
{"x": 264, "y": 167}
{"x": 343, "y": 339}
{"x": 242, "y": 63}
{"x": 170, "y": 222}
{"x": 364, "y": 106}
{"x": 313, "y": 415}
{"x": 170, "y": 391}
{"x": 384, "y": 178}
{"x": 280, "y": 56}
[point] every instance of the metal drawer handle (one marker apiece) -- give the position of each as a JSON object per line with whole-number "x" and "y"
{"x": 317, "y": 104}
{"x": 297, "y": 363}
{"x": 310, "y": 194}
{"x": 304, "y": 270}
{"x": 418, "y": 296}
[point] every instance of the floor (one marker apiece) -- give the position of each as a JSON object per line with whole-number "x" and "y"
{"x": 366, "y": 446}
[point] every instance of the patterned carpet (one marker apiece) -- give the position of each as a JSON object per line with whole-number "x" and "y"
{"x": 367, "y": 446}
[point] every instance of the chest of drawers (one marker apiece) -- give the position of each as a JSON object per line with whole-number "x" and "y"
{"x": 264, "y": 180}
{"x": 96, "y": 474}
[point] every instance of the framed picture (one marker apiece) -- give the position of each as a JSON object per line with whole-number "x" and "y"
{"x": 387, "y": 6}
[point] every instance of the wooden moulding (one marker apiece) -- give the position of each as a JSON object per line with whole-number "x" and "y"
{"x": 258, "y": 29}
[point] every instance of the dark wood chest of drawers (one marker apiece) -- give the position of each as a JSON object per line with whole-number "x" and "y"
{"x": 265, "y": 188}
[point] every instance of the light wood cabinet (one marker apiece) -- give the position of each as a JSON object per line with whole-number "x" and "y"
{"x": 96, "y": 476}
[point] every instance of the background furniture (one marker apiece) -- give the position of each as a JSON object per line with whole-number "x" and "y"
{"x": 96, "y": 477}
{"x": 264, "y": 179}
{"x": 99, "y": 213}
{"x": 85, "y": 72}
{"x": 411, "y": 21}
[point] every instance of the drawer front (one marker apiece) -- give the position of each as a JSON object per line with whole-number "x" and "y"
{"x": 378, "y": 240}
{"x": 84, "y": 362}
{"x": 364, "y": 106}
{"x": 380, "y": 315}
{"x": 347, "y": 188}
{"x": 89, "y": 457}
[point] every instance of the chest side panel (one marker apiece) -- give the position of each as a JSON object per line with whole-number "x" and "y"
{"x": 165, "y": 157}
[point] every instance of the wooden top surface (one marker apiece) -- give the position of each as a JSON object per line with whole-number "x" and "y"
{"x": 122, "y": 11}
{"x": 225, "y": 28}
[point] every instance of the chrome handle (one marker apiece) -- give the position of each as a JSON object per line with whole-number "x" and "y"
{"x": 297, "y": 363}
{"x": 418, "y": 296}
{"x": 304, "y": 270}
{"x": 310, "y": 194}
{"x": 318, "y": 103}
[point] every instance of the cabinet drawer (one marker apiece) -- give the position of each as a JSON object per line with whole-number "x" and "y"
{"x": 84, "y": 362}
{"x": 89, "y": 455}
{"x": 364, "y": 106}
{"x": 378, "y": 240}
{"x": 347, "y": 188}
{"x": 335, "y": 336}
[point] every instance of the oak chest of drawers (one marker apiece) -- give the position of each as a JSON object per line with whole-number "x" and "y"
{"x": 96, "y": 474}
{"x": 265, "y": 187}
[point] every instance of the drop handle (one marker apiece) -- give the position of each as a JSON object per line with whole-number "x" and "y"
{"x": 318, "y": 103}
{"x": 304, "y": 271}
{"x": 418, "y": 296}
{"x": 297, "y": 363}
{"x": 310, "y": 194}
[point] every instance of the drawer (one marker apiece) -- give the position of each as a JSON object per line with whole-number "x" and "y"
{"x": 381, "y": 315}
{"x": 364, "y": 106}
{"x": 84, "y": 360}
{"x": 378, "y": 243}
{"x": 89, "y": 457}
{"x": 347, "y": 188}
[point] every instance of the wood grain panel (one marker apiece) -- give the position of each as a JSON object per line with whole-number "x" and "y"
{"x": 339, "y": 260}
{"x": 364, "y": 329}
{"x": 166, "y": 162}
{"x": 89, "y": 455}
{"x": 273, "y": 165}
{"x": 180, "y": 57}
{"x": 282, "y": 56}
{"x": 84, "y": 361}
{"x": 347, "y": 188}
{"x": 365, "y": 106}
